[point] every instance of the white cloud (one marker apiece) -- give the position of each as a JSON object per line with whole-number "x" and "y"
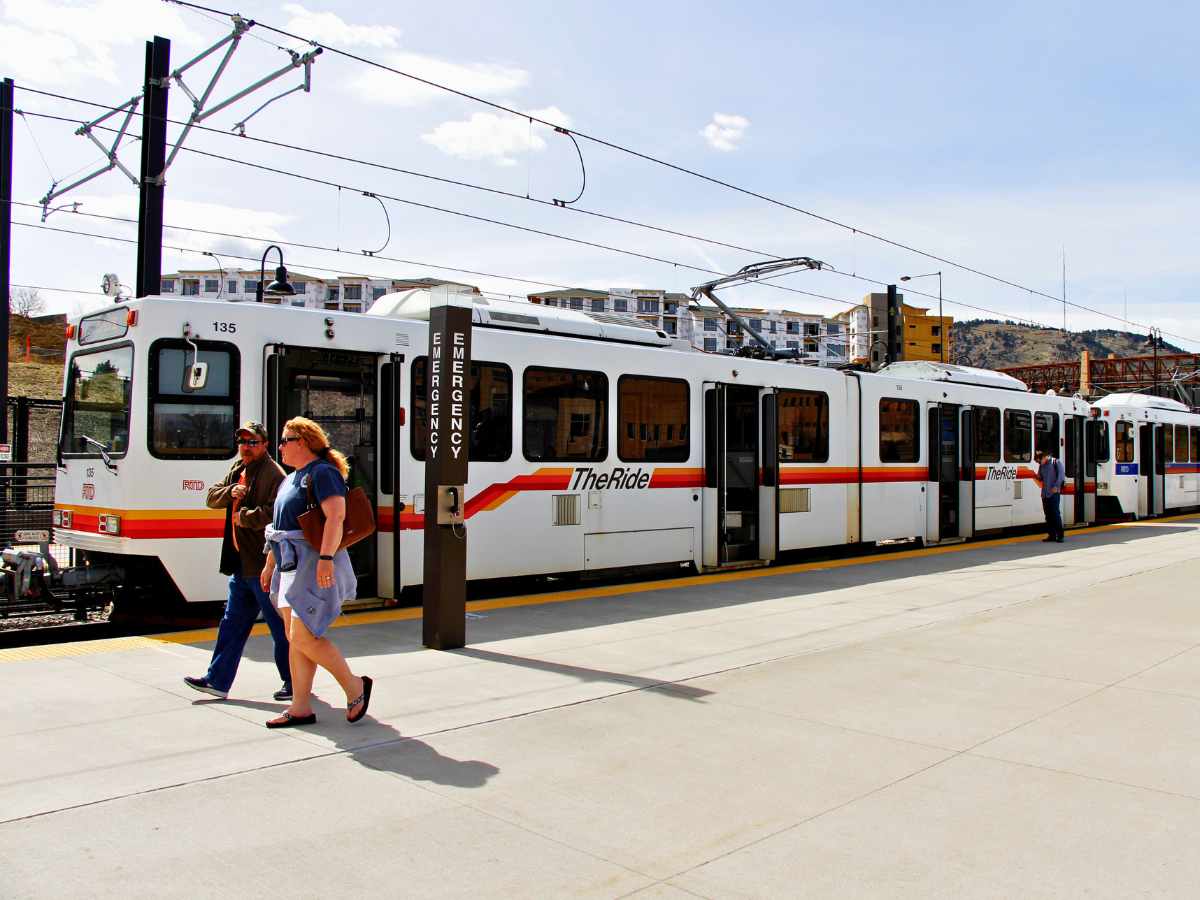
{"x": 499, "y": 137}
{"x": 329, "y": 28}
{"x": 485, "y": 79}
{"x": 725, "y": 131}
{"x": 263, "y": 225}
{"x": 60, "y": 43}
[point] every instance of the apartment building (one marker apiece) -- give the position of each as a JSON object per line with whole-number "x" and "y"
{"x": 921, "y": 336}
{"x": 818, "y": 340}
{"x": 343, "y": 293}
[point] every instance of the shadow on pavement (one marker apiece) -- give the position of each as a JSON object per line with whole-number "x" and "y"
{"x": 775, "y": 583}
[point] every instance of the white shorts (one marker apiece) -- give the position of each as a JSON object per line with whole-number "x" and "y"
{"x": 285, "y": 584}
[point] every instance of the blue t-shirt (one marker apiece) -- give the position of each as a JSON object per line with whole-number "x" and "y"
{"x": 292, "y": 500}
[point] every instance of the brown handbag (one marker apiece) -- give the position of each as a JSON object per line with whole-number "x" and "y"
{"x": 358, "y": 524}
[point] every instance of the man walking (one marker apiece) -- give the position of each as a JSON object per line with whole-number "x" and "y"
{"x": 247, "y": 494}
{"x": 1052, "y": 478}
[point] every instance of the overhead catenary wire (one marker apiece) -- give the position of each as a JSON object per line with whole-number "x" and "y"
{"x": 338, "y": 250}
{"x": 309, "y": 246}
{"x": 636, "y": 153}
{"x": 679, "y": 264}
{"x": 594, "y": 213}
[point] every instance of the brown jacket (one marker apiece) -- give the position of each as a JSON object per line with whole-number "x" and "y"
{"x": 254, "y": 514}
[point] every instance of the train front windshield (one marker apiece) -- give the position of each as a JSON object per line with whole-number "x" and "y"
{"x": 99, "y": 388}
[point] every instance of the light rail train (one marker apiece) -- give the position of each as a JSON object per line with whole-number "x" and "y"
{"x": 595, "y": 444}
{"x": 1149, "y": 456}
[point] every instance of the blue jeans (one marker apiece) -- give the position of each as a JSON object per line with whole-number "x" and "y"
{"x": 246, "y": 599}
{"x": 1053, "y": 512}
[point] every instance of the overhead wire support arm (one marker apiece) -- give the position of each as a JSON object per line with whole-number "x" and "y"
{"x": 745, "y": 275}
{"x": 200, "y": 109}
{"x": 129, "y": 107}
{"x": 233, "y": 40}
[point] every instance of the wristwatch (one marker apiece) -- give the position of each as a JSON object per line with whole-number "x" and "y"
{"x": 323, "y": 556}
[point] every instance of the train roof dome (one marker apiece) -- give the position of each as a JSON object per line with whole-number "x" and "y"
{"x": 1142, "y": 401}
{"x": 932, "y": 371}
{"x": 524, "y": 316}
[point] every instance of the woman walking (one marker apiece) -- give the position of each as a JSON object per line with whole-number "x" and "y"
{"x": 310, "y": 584}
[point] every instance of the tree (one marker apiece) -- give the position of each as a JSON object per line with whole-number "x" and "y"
{"x": 26, "y": 302}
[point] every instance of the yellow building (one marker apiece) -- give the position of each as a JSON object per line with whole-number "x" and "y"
{"x": 925, "y": 335}
{"x": 920, "y": 335}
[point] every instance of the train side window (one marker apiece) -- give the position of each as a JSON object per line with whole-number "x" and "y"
{"x": 803, "y": 426}
{"x": 1124, "y": 442}
{"x": 193, "y": 424}
{"x": 1097, "y": 449}
{"x": 987, "y": 434}
{"x": 899, "y": 430}
{"x": 1182, "y": 449}
{"x": 1045, "y": 433}
{"x": 489, "y": 411}
{"x": 1168, "y": 444}
{"x": 1069, "y": 449}
{"x": 653, "y": 417}
{"x": 1018, "y": 436}
{"x": 565, "y": 415}
{"x": 1195, "y": 444}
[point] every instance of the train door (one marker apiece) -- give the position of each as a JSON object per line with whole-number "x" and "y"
{"x": 731, "y": 509}
{"x": 1160, "y": 469}
{"x": 389, "y": 502}
{"x": 1074, "y": 511}
{"x": 1147, "y": 476}
{"x": 1091, "y": 468}
{"x": 768, "y": 488}
{"x": 337, "y": 389}
{"x": 944, "y": 504}
{"x": 966, "y": 483}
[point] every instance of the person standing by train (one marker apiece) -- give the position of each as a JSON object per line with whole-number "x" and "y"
{"x": 247, "y": 494}
{"x": 310, "y": 584}
{"x": 1051, "y": 477}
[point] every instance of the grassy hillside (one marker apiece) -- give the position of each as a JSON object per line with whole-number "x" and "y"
{"x": 992, "y": 344}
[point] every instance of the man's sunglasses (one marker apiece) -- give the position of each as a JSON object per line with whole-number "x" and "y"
{"x": 248, "y": 442}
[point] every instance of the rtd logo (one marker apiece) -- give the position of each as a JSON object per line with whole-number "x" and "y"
{"x": 193, "y": 485}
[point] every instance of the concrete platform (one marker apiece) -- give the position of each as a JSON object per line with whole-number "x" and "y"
{"x": 1009, "y": 719}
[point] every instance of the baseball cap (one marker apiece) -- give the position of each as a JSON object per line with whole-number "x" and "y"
{"x": 255, "y": 428}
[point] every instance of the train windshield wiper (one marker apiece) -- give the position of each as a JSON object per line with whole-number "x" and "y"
{"x": 103, "y": 448}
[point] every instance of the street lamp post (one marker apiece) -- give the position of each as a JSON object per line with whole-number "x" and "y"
{"x": 941, "y": 318}
{"x": 280, "y": 287}
{"x": 1155, "y": 342}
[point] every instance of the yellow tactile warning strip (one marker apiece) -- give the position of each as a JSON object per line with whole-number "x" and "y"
{"x": 201, "y": 635}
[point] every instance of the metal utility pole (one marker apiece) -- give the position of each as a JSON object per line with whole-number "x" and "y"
{"x": 6, "y": 186}
{"x": 894, "y": 323}
{"x": 447, "y": 392}
{"x": 154, "y": 158}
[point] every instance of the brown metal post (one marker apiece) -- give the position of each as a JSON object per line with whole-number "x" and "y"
{"x": 448, "y": 392}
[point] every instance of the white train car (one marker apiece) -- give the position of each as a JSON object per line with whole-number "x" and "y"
{"x": 593, "y": 444}
{"x": 1149, "y": 456}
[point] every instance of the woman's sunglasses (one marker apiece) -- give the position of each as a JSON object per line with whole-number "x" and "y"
{"x": 287, "y": 440}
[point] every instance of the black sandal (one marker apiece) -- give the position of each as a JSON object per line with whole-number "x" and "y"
{"x": 364, "y": 698}
{"x": 287, "y": 720}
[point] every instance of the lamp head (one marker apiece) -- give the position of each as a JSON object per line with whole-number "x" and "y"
{"x": 280, "y": 287}
{"x": 906, "y": 278}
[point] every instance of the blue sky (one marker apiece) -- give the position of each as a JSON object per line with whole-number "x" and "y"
{"x": 992, "y": 134}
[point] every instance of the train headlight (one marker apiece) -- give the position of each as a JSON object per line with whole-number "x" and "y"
{"x": 66, "y": 517}
{"x": 56, "y": 518}
{"x": 110, "y": 524}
